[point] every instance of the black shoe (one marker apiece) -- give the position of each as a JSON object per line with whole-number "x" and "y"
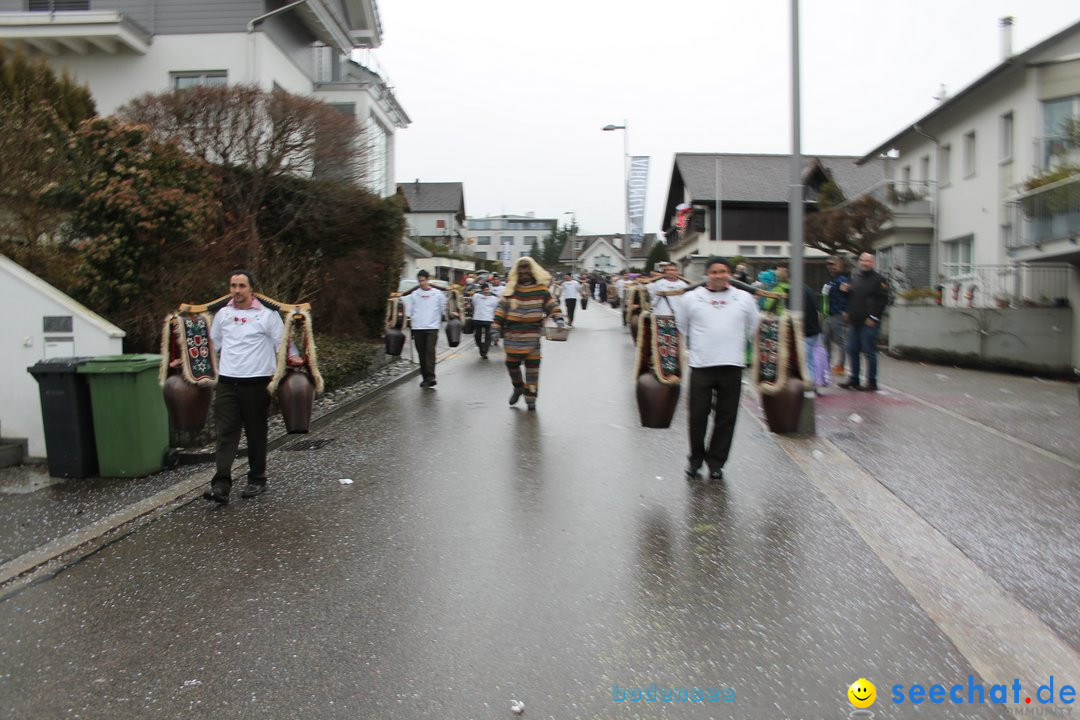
{"x": 716, "y": 476}
{"x": 218, "y": 491}
{"x": 515, "y": 396}
{"x": 483, "y": 357}
{"x": 423, "y": 383}
{"x": 531, "y": 403}
{"x": 432, "y": 383}
{"x": 871, "y": 387}
{"x": 850, "y": 384}
{"x": 253, "y": 488}
{"x": 692, "y": 472}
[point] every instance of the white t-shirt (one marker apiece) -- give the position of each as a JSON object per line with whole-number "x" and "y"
{"x": 658, "y": 303}
{"x": 425, "y": 308}
{"x": 717, "y": 325}
{"x": 247, "y": 340}
{"x": 483, "y": 307}
{"x": 571, "y": 290}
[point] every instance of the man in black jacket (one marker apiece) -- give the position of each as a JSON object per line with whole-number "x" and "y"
{"x": 866, "y": 305}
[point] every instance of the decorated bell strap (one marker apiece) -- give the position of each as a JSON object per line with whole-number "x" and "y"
{"x": 454, "y": 303}
{"x": 779, "y": 352}
{"x": 394, "y": 313}
{"x": 214, "y": 305}
{"x": 185, "y": 336}
{"x": 298, "y": 332}
{"x": 739, "y": 284}
{"x": 659, "y": 348}
{"x": 631, "y": 291}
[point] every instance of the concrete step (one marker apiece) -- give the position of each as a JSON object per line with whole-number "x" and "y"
{"x": 12, "y": 451}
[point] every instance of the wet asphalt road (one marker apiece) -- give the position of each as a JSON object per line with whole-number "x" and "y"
{"x": 484, "y": 554}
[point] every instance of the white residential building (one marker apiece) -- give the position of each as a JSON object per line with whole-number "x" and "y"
{"x": 507, "y": 236}
{"x": 964, "y": 165}
{"x": 435, "y": 212}
{"x": 605, "y": 253}
{"x": 124, "y": 48}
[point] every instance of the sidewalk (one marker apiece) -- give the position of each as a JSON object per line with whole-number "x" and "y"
{"x": 984, "y": 464}
{"x": 46, "y": 521}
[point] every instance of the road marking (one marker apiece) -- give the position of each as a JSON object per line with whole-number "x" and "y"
{"x": 982, "y": 426}
{"x": 1001, "y": 638}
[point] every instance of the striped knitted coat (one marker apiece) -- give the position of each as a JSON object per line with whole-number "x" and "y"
{"x": 520, "y": 317}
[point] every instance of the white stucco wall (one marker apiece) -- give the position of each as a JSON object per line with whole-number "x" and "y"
{"x": 115, "y": 79}
{"x": 20, "y": 405}
{"x": 1025, "y": 337}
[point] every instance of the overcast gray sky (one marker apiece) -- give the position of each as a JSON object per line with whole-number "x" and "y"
{"x": 509, "y": 97}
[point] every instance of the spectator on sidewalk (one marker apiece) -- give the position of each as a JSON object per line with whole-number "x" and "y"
{"x": 246, "y": 334}
{"x": 425, "y": 307}
{"x": 766, "y": 279}
{"x": 717, "y": 320}
{"x": 834, "y": 303}
{"x": 780, "y": 285}
{"x": 484, "y": 304}
{"x": 866, "y": 305}
{"x": 524, "y": 305}
{"x": 811, "y": 323}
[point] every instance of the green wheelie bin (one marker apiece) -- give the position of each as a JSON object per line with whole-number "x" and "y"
{"x": 131, "y": 424}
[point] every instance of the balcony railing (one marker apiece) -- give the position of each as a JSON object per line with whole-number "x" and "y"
{"x": 1018, "y": 285}
{"x": 1048, "y": 213}
{"x": 896, "y": 194}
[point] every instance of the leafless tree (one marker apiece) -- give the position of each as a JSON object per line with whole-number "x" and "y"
{"x": 254, "y": 137}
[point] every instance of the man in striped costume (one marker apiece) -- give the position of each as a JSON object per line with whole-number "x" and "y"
{"x": 519, "y": 319}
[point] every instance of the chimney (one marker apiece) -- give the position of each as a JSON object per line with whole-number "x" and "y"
{"x": 1006, "y": 37}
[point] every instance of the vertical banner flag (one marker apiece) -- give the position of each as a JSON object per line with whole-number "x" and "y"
{"x": 505, "y": 254}
{"x": 636, "y": 183}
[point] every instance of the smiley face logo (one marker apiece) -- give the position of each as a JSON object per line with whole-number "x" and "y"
{"x": 862, "y": 693}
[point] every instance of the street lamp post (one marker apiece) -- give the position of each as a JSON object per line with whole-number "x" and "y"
{"x": 573, "y": 248}
{"x": 625, "y": 127}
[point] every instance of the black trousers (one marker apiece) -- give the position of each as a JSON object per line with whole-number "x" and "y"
{"x": 571, "y": 305}
{"x": 716, "y": 387}
{"x": 482, "y": 334}
{"x": 241, "y": 405}
{"x": 425, "y": 341}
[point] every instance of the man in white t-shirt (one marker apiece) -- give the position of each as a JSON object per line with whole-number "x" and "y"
{"x": 246, "y": 334}
{"x": 571, "y": 293}
{"x": 665, "y": 304}
{"x": 425, "y": 306}
{"x": 484, "y": 304}
{"x": 717, "y": 320}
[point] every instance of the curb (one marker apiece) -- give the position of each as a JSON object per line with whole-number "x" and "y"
{"x": 52, "y": 557}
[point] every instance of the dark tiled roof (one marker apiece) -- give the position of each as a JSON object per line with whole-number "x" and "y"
{"x": 766, "y": 178}
{"x": 434, "y": 197}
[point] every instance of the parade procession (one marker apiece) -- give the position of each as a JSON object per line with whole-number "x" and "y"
{"x": 606, "y": 361}
{"x": 712, "y": 327}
